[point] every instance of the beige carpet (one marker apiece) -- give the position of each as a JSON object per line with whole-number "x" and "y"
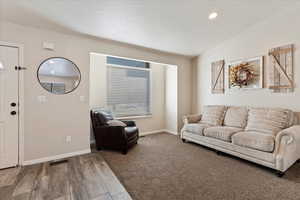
{"x": 161, "y": 167}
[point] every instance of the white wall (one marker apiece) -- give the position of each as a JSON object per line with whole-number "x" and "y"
{"x": 171, "y": 99}
{"x": 157, "y": 120}
{"x": 98, "y": 77}
{"x": 257, "y": 40}
{"x": 48, "y": 124}
{"x": 98, "y": 82}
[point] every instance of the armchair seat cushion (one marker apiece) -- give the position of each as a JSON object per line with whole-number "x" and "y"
{"x": 221, "y": 132}
{"x": 129, "y": 123}
{"x": 116, "y": 123}
{"x": 195, "y": 128}
{"x": 254, "y": 140}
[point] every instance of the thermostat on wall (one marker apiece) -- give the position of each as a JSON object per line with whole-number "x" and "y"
{"x": 48, "y": 46}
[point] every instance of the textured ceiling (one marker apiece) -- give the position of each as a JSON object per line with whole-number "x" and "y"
{"x": 178, "y": 26}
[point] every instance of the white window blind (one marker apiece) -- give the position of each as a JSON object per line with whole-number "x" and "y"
{"x": 128, "y": 88}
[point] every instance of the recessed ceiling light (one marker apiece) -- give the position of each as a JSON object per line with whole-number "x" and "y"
{"x": 213, "y": 15}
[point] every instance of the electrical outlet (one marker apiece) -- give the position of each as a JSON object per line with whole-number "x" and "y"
{"x": 68, "y": 139}
{"x": 82, "y": 98}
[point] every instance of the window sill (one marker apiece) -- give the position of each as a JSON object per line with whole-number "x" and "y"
{"x": 134, "y": 117}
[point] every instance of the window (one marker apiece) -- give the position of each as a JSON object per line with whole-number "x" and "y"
{"x": 128, "y": 87}
{"x": 56, "y": 88}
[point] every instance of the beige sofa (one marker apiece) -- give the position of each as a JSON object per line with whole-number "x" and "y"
{"x": 267, "y": 136}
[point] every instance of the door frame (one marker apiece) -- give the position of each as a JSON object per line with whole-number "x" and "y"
{"x": 21, "y": 99}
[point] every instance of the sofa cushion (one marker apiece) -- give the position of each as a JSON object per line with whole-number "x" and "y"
{"x": 268, "y": 120}
{"x": 213, "y": 115}
{"x": 221, "y": 132}
{"x": 236, "y": 117}
{"x": 196, "y": 128}
{"x": 254, "y": 140}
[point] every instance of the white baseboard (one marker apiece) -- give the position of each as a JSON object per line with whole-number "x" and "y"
{"x": 151, "y": 132}
{"x": 60, "y": 156}
{"x": 171, "y": 132}
{"x": 158, "y": 131}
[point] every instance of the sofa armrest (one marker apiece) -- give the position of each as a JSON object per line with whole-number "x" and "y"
{"x": 187, "y": 119}
{"x": 287, "y": 147}
{"x": 288, "y": 136}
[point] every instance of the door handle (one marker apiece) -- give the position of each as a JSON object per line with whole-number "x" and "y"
{"x": 20, "y": 68}
{"x": 13, "y": 112}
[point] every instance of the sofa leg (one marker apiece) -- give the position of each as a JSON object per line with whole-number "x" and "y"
{"x": 279, "y": 173}
{"x": 183, "y": 140}
{"x": 298, "y": 161}
{"x": 99, "y": 148}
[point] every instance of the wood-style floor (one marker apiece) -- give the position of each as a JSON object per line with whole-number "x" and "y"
{"x": 86, "y": 177}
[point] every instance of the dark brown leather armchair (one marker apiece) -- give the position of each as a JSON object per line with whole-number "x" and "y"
{"x": 113, "y": 137}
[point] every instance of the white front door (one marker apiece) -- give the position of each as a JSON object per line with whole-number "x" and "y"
{"x": 9, "y": 116}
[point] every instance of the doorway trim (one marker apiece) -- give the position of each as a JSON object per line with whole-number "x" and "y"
{"x": 21, "y": 99}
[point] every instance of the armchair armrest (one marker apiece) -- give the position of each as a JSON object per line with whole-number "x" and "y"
{"x": 191, "y": 118}
{"x": 287, "y": 147}
{"x": 129, "y": 123}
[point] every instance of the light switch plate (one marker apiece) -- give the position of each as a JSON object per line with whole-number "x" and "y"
{"x": 42, "y": 99}
{"x": 68, "y": 139}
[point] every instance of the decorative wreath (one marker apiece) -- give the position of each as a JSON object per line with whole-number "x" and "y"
{"x": 241, "y": 75}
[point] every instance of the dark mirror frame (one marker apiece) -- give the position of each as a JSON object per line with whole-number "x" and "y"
{"x": 64, "y": 59}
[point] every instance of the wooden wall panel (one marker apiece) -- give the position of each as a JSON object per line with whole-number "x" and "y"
{"x": 281, "y": 72}
{"x": 217, "y": 77}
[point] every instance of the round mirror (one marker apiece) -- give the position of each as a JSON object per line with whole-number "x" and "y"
{"x": 58, "y": 75}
